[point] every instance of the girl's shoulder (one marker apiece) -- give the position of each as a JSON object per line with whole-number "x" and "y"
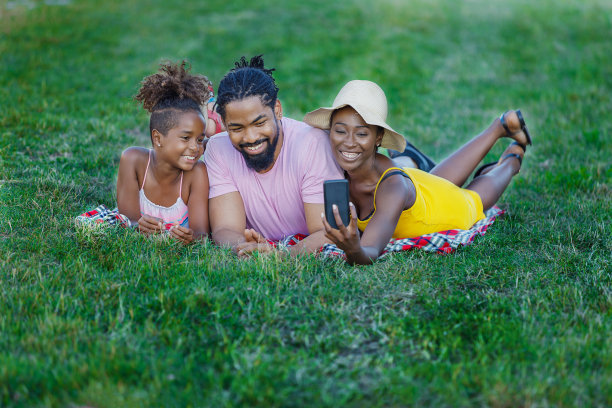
{"x": 196, "y": 175}
{"x": 133, "y": 162}
{"x": 135, "y": 154}
{"x": 194, "y": 180}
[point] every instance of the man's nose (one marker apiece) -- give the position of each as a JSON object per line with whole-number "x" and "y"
{"x": 251, "y": 135}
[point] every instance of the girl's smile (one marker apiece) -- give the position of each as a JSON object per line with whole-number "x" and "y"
{"x": 183, "y": 144}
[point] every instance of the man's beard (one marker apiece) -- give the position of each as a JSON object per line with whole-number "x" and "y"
{"x": 263, "y": 160}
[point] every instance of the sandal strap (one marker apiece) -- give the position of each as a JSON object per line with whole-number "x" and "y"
{"x": 522, "y": 146}
{"x": 523, "y": 126}
{"x": 518, "y": 156}
{"x": 483, "y": 168}
{"x": 504, "y": 124}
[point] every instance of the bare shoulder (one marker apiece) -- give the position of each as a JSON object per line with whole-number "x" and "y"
{"x": 198, "y": 174}
{"x": 135, "y": 155}
{"x": 398, "y": 187}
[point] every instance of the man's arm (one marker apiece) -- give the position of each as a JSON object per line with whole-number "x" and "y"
{"x": 316, "y": 237}
{"x": 255, "y": 242}
{"x": 227, "y": 219}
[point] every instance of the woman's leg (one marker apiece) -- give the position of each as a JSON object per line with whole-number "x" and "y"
{"x": 491, "y": 185}
{"x": 458, "y": 166}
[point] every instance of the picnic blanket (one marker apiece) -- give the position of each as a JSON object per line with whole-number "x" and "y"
{"x": 443, "y": 242}
{"x": 101, "y": 215}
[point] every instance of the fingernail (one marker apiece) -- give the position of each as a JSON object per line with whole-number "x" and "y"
{"x": 335, "y": 207}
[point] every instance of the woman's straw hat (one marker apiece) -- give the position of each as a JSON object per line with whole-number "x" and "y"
{"x": 370, "y": 102}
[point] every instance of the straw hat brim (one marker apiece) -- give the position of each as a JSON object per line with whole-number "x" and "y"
{"x": 320, "y": 118}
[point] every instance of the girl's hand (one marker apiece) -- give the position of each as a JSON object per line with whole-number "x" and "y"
{"x": 150, "y": 225}
{"x": 185, "y": 235}
{"x": 345, "y": 238}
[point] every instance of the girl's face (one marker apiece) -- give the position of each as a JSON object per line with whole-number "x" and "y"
{"x": 183, "y": 145}
{"x": 352, "y": 140}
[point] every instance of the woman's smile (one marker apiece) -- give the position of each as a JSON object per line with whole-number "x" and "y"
{"x": 353, "y": 141}
{"x": 349, "y": 156}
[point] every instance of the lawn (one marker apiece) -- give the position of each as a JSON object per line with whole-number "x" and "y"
{"x": 523, "y": 317}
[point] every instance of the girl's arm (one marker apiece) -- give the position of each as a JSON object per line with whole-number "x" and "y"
{"x": 197, "y": 205}
{"x": 394, "y": 195}
{"x": 127, "y": 182}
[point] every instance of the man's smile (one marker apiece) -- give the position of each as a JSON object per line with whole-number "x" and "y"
{"x": 255, "y": 148}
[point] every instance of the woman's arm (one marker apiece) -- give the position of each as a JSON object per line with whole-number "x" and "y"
{"x": 394, "y": 195}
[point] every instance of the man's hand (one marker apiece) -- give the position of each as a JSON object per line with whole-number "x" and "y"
{"x": 255, "y": 242}
{"x": 253, "y": 236}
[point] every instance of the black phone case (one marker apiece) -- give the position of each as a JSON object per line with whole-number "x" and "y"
{"x": 336, "y": 192}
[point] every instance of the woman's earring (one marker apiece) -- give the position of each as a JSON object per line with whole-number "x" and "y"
{"x": 158, "y": 145}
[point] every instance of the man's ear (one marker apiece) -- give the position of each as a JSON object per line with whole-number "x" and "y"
{"x": 278, "y": 109}
{"x": 156, "y": 138}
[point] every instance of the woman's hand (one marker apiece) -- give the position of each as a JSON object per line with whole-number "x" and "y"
{"x": 150, "y": 225}
{"x": 345, "y": 238}
{"x": 185, "y": 235}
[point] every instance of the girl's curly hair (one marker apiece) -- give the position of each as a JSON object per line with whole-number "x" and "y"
{"x": 171, "y": 91}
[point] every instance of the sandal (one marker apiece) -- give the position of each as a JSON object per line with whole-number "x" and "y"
{"x": 484, "y": 167}
{"x": 522, "y": 129}
{"x": 421, "y": 160}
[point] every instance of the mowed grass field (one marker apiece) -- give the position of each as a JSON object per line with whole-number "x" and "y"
{"x": 111, "y": 319}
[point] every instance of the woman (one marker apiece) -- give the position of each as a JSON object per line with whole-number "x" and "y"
{"x": 392, "y": 202}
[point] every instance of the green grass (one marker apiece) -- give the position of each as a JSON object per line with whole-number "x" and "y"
{"x": 521, "y": 318}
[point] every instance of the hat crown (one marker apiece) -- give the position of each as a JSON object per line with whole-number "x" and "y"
{"x": 364, "y": 95}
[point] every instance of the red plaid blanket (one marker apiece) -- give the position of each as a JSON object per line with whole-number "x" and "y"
{"x": 443, "y": 242}
{"x": 102, "y": 215}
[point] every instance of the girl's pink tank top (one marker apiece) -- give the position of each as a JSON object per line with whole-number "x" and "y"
{"x": 175, "y": 214}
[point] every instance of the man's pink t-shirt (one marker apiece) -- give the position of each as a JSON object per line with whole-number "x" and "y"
{"x": 274, "y": 201}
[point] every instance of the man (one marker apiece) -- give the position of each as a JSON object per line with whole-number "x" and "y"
{"x": 266, "y": 172}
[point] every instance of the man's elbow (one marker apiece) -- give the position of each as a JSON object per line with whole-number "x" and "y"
{"x": 227, "y": 237}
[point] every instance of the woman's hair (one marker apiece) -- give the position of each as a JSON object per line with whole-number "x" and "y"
{"x": 244, "y": 80}
{"x": 173, "y": 90}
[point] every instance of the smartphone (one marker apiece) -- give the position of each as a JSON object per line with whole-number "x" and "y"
{"x": 336, "y": 192}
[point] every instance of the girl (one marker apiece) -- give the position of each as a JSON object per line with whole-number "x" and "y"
{"x": 392, "y": 202}
{"x": 166, "y": 187}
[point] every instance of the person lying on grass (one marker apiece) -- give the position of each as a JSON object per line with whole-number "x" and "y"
{"x": 166, "y": 188}
{"x": 391, "y": 202}
{"x": 266, "y": 172}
